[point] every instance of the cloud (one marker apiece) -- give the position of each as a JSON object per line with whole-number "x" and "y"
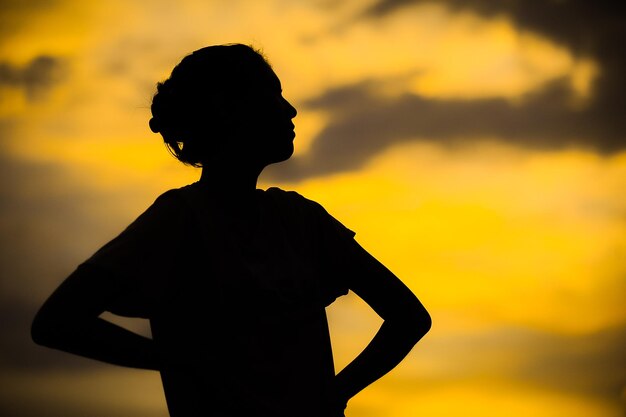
{"x": 587, "y": 28}
{"x": 363, "y": 124}
{"x": 15, "y": 13}
{"x": 35, "y": 78}
{"x": 47, "y": 227}
{"x": 589, "y": 363}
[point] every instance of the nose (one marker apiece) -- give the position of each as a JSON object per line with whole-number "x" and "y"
{"x": 290, "y": 109}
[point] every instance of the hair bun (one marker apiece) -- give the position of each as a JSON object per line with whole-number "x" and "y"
{"x": 154, "y": 125}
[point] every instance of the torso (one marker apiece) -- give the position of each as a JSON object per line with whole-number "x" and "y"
{"x": 244, "y": 329}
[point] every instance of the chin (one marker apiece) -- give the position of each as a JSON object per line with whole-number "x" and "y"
{"x": 282, "y": 155}
{"x": 287, "y": 154}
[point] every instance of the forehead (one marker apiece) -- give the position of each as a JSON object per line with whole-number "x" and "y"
{"x": 268, "y": 77}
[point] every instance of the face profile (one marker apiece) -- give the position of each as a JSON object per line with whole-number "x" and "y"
{"x": 224, "y": 102}
{"x": 264, "y": 128}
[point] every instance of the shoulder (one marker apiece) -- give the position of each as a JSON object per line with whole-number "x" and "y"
{"x": 171, "y": 199}
{"x": 293, "y": 208}
{"x": 166, "y": 214}
{"x": 292, "y": 199}
{"x": 299, "y": 207}
{"x": 171, "y": 202}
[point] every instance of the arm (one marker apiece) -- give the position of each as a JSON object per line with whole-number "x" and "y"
{"x": 69, "y": 321}
{"x": 406, "y": 321}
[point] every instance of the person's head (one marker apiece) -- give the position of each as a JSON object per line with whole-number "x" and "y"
{"x": 224, "y": 101}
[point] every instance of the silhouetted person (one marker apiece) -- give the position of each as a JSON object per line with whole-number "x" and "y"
{"x": 233, "y": 279}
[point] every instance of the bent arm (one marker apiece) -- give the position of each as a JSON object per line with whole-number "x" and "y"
{"x": 69, "y": 321}
{"x": 406, "y": 321}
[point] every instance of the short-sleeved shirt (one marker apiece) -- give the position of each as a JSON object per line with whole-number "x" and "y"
{"x": 239, "y": 318}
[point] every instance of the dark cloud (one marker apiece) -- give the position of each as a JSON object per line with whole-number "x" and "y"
{"x": 14, "y": 6}
{"x": 588, "y": 29}
{"x": 46, "y": 230}
{"x": 37, "y": 209}
{"x": 594, "y": 28}
{"x": 32, "y": 262}
{"x": 35, "y": 78}
{"x": 363, "y": 124}
{"x": 591, "y": 363}
{"x": 16, "y": 14}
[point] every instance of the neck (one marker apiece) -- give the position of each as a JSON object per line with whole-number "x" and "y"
{"x": 230, "y": 178}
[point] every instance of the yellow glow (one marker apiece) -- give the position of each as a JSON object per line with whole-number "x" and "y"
{"x": 489, "y": 236}
{"x": 470, "y": 228}
{"x": 480, "y": 399}
{"x": 429, "y": 51}
{"x": 12, "y": 102}
{"x": 71, "y": 28}
{"x": 480, "y": 59}
{"x": 583, "y": 74}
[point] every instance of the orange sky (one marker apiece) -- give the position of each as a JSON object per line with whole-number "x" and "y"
{"x": 466, "y": 147}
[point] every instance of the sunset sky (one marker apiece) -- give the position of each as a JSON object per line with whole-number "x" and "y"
{"x": 477, "y": 148}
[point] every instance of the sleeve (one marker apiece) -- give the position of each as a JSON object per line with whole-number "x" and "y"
{"x": 143, "y": 258}
{"x": 331, "y": 241}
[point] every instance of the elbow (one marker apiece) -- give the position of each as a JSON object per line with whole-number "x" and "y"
{"x": 413, "y": 324}
{"x": 42, "y": 330}
{"x": 39, "y": 331}
{"x": 424, "y": 324}
{"x": 420, "y": 323}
